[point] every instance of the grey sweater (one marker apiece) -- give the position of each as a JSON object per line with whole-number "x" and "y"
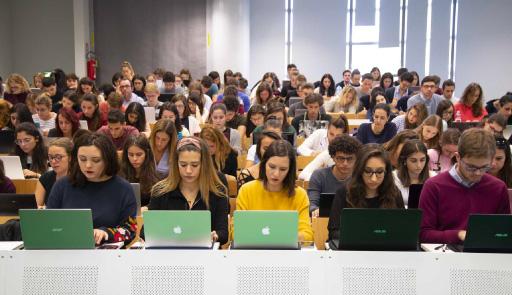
{"x": 322, "y": 181}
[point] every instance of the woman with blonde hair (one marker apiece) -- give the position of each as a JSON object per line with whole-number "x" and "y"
{"x": 430, "y": 131}
{"x": 127, "y": 70}
{"x": 223, "y": 156}
{"x": 347, "y": 102}
{"x": 193, "y": 184}
{"x": 16, "y": 89}
{"x": 163, "y": 140}
{"x": 37, "y": 80}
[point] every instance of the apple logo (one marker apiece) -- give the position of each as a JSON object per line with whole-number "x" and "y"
{"x": 265, "y": 231}
{"x": 177, "y": 230}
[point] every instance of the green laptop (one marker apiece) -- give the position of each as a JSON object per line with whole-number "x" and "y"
{"x": 254, "y": 229}
{"x": 57, "y": 229}
{"x": 379, "y": 229}
{"x": 165, "y": 229}
{"x": 488, "y": 233}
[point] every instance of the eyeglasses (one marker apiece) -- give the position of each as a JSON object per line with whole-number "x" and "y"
{"x": 501, "y": 142}
{"x": 429, "y": 86}
{"x": 378, "y": 173}
{"x": 472, "y": 169}
{"x": 343, "y": 159}
{"x": 23, "y": 141}
{"x": 56, "y": 158}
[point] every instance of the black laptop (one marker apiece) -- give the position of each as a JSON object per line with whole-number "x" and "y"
{"x": 487, "y": 233}
{"x": 325, "y": 204}
{"x": 379, "y": 230}
{"x": 165, "y": 97}
{"x": 414, "y": 196}
{"x": 7, "y": 144}
{"x": 11, "y": 203}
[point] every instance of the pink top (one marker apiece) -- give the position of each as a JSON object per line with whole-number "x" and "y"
{"x": 466, "y": 113}
{"x": 435, "y": 161}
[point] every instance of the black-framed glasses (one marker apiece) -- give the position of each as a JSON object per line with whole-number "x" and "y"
{"x": 56, "y": 158}
{"x": 501, "y": 142}
{"x": 341, "y": 159}
{"x": 379, "y": 173}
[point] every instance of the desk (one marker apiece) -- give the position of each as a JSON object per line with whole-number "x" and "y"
{"x": 252, "y": 272}
{"x": 355, "y": 123}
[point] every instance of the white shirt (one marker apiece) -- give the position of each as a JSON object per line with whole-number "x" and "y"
{"x": 45, "y": 125}
{"x": 134, "y": 98}
{"x": 193, "y": 125}
{"x": 251, "y": 154}
{"x": 315, "y": 142}
{"x": 323, "y": 160}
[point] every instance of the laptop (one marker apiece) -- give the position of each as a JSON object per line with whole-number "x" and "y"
{"x": 288, "y": 136}
{"x": 379, "y": 229}
{"x": 11, "y": 203}
{"x": 164, "y": 229}
{"x": 7, "y": 139}
{"x": 57, "y": 229}
{"x": 487, "y": 233}
{"x": 165, "y": 97}
{"x": 325, "y": 204}
{"x": 150, "y": 113}
{"x": 259, "y": 229}
{"x": 414, "y": 196}
{"x": 136, "y": 191}
{"x": 12, "y": 165}
{"x": 294, "y": 99}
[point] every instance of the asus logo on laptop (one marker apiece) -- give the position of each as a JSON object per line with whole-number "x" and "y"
{"x": 380, "y": 231}
{"x": 57, "y": 229}
{"x": 500, "y": 235}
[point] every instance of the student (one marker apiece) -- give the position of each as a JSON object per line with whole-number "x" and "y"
{"x": 186, "y": 119}
{"x": 44, "y": 118}
{"x": 364, "y": 88}
{"x": 272, "y": 125}
{"x": 50, "y": 88}
{"x": 251, "y": 173}
{"x": 470, "y": 106}
{"x": 326, "y": 88}
{"x": 193, "y": 184}
{"x": 16, "y": 89}
{"x": 375, "y": 74}
{"x": 343, "y": 150}
{"x": 138, "y": 165}
{"x": 163, "y": 140}
{"x": 277, "y": 110}
{"x": 93, "y": 184}
{"x": 430, "y": 131}
{"x": 66, "y": 124}
{"x": 445, "y": 112}
{"x": 346, "y": 102}
{"x": 320, "y": 139}
{"x": 31, "y": 150}
{"x": 127, "y": 94}
{"x": 505, "y": 108}
{"x": 264, "y": 94}
{"x": 386, "y": 81}
{"x": 91, "y": 113}
{"x": 502, "y": 164}
{"x": 371, "y": 186}
{"x": 139, "y": 83}
{"x": 268, "y": 77}
{"x": 59, "y": 156}
{"x": 255, "y": 118}
{"x": 233, "y": 118}
{"x": 303, "y": 90}
{"x": 117, "y": 130}
{"x": 448, "y": 199}
{"x": 393, "y": 94}
{"x": 412, "y": 167}
{"x": 275, "y": 189}
{"x": 376, "y": 96}
{"x": 152, "y": 93}
{"x": 223, "y": 156}
{"x": 169, "y": 111}
{"x": 426, "y": 95}
{"x": 19, "y": 114}
{"x": 218, "y": 119}
{"x": 495, "y": 124}
{"x": 232, "y": 89}
{"x": 344, "y": 83}
{"x": 6, "y": 184}
{"x": 127, "y": 70}
{"x": 313, "y": 103}
{"x": 448, "y": 89}
{"x": 135, "y": 116}
{"x": 86, "y": 86}
{"x": 380, "y": 131}
{"x": 200, "y": 99}
{"x": 208, "y": 85}
{"x": 412, "y": 118}
{"x": 71, "y": 82}
{"x": 395, "y": 145}
{"x": 69, "y": 101}
{"x": 442, "y": 158}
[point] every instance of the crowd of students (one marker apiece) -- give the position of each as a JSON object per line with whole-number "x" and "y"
{"x": 182, "y": 160}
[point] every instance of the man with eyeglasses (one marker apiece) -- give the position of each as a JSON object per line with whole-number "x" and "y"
{"x": 426, "y": 96}
{"x": 343, "y": 150}
{"x": 127, "y": 93}
{"x": 449, "y": 198}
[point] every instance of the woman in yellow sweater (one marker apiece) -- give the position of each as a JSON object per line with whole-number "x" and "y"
{"x": 275, "y": 189}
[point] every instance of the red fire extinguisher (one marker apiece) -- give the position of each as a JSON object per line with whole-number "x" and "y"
{"x": 91, "y": 66}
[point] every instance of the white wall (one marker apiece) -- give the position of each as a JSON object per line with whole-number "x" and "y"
{"x": 483, "y": 46}
{"x": 6, "y": 40}
{"x": 227, "y": 25}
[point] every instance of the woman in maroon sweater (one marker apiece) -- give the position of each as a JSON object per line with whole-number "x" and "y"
{"x": 449, "y": 198}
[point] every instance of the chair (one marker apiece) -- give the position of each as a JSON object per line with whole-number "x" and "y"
{"x": 25, "y": 186}
{"x": 241, "y": 161}
{"x": 302, "y": 183}
{"x": 246, "y": 143}
{"x": 303, "y": 161}
{"x": 300, "y": 140}
{"x": 320, "y": 232}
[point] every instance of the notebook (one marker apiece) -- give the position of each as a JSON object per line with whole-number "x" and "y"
{"x": 150, "y": 113}
{"x": 11, "y": 203}
{"x": 379, "y": 229}
{"x": 57, "y": 229}
{"x": 12, "y": 165}
{"x": 83, "y": 125}
{"x": 166, "y": 229}
{"x": 259, "y": 229}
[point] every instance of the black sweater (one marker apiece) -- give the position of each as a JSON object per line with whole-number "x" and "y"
{"x": 219, "y": 208}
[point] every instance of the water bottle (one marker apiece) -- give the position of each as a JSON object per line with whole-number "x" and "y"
{"x": 458, "y": 117}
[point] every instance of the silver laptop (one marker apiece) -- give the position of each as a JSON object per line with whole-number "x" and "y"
{"x": 12, "y": 165}
{"x": 136, "y": 191}
{"x": 165, "y": 229}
